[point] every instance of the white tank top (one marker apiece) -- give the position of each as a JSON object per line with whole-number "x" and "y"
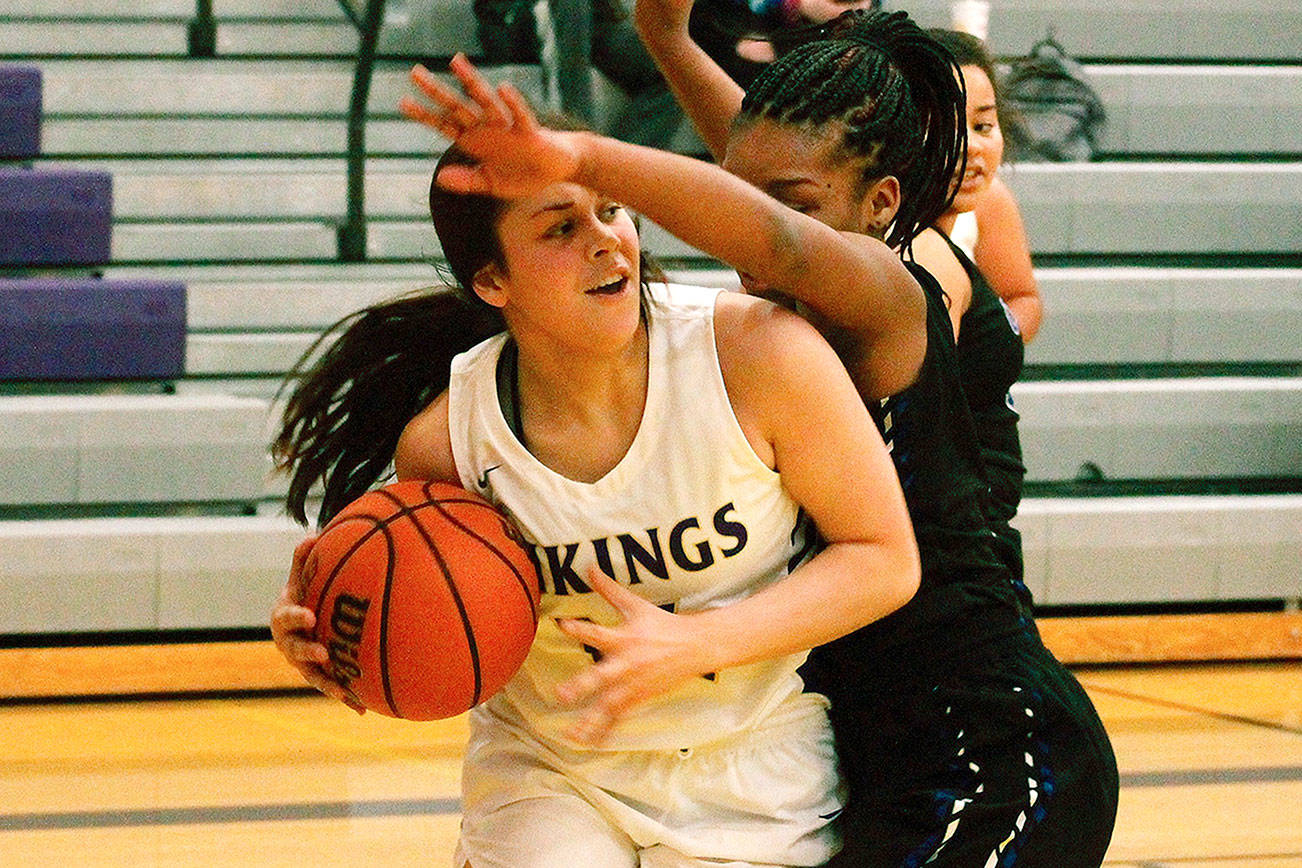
{"x": 690, "y": 518}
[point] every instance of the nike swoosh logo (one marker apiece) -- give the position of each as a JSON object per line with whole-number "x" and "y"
{"x": 482, "y": 482}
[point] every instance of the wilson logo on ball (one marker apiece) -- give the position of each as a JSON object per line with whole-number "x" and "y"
{"x": 425, "y": 599}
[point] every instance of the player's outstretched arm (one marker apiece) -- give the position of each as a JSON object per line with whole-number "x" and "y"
{"x": 707, "y": 94}
{"x": 853, "y": 280}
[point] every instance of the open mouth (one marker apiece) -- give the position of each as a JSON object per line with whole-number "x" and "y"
{"x": 615, "y": 287}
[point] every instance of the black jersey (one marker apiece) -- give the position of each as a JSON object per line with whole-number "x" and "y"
{"x": 966, "y": 596}
{"x": 990, "y": 357}
{"x": 952, "y": 702}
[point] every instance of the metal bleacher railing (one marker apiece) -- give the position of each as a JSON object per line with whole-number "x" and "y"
{"x": 367, "y": 16}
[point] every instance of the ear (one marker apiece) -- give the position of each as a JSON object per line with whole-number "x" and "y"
{"x": 879, "y": 205}
{"x": 488, "y": 285}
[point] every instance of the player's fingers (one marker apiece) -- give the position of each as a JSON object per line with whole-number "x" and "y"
{"x": 592, "y": 681}
{"x": 463, "y": 179}
{"x": 592, "y": 727}
{"x": 449, "y": 102}
{"x": 319, "y": 679}
{"x": 522, "y": 115}
{"x": 577, "y": 688}
{"x": 597, "y": 721}
{"x": 587, "y": 632}
{"x": 298, "y": 649}
{"x": 288, "y": 618}
{"x": 478, "y": 89}
{"x": 299, "y": 573}
{"x": 624, "y": 600}
{"x": 439, "y": 121}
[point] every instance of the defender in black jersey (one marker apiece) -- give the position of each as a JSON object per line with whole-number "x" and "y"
{"x": 964, "y": 742}
{"x": 991, "y": 337}
{"x": 990, "y": 356}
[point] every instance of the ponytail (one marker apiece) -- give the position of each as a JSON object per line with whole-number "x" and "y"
{"x": 349, "y": 406}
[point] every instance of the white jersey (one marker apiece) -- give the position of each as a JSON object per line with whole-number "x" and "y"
{"x": 690, "y": 518}
{"x": 965, "y": 232}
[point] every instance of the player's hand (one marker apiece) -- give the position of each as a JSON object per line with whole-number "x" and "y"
{"x": 655, "y": 17}
{"x": 648, "y": 653}
{"x": 291, "y": 630}
{"x": 516, "y": 155}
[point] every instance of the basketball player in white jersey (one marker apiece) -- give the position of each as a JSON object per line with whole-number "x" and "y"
{"x": 668, "y": 454}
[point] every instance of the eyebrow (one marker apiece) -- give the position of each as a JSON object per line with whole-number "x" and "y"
{"x": 557, "y": 206}
{"x": 788, "y": 183}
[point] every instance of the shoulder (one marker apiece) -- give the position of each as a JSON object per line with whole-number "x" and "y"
{"x": 425, "y": 447}
{"x": 769, "y": 356}
{"x": 998, "y": 203}
{"x": 749, "y": 329}
{"x": 932, "y": 251}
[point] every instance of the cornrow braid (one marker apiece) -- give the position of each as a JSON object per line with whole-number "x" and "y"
{"x": 896, "y": 93}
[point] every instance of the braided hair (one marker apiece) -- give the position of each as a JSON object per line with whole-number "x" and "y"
{"x": 894, "y": 91}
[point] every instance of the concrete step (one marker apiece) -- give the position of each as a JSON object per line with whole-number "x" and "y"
{"x": 1106, "y": 550}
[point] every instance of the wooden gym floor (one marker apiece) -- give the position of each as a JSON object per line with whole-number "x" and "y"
{"x": 1210, "y": 757}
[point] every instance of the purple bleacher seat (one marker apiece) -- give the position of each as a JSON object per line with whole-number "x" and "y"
{"x": 89, "y": 329}
{"x": 20, "y": 112}
{"x": 55, "y": 216}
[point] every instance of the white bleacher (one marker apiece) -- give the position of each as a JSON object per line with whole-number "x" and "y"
{"x": 114, "y": 574}
{"x": 1125, "y": 315}
{"x": 125, "y": 448}
{"x": 204, "y": 210}
{"x": 1197, "y": 427}
{"x": 161, "y": 573}
{"x": 224, "y": 107}
{"x": 1172, "y": 548}
{"x": 1200, "y": 109}
{"x": 1170, "y": 29}
{"x": 1159, "y": 207}
{"x": 75, "y": 37}
{"x": 1188, "y": 29}
{"x": 229, "y": 175}
{"x": 292, "y": 106}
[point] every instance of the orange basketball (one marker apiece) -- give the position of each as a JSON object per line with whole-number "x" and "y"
{"x": 424, "y": 598}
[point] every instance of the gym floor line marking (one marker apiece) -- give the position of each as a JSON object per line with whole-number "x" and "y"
{"x": 374, "y": 808}
{"x": 1194, "y": 709}
{"x": 264, "y": 813}
{"x": 1203, "y": 777}
{"x": 1173, "y": 861}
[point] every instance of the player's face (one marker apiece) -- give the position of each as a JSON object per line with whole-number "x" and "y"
{"x": 985, "y": 141}
{"x": 571, "y": 268}
{"x": 803, "y": 169}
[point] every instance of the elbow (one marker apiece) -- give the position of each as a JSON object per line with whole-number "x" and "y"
{"x": 1029, "y": 314}
{"x": 907, "y": 576}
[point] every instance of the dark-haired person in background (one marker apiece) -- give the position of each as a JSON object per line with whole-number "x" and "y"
{"x": 990, "y": 324}
{"x": 585, "y": 35}
{"x": 741, "y": 34}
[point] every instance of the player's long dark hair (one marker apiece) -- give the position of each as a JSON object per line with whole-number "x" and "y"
{"x": 359, "y": 384}
{"x": 896, "y": 93}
